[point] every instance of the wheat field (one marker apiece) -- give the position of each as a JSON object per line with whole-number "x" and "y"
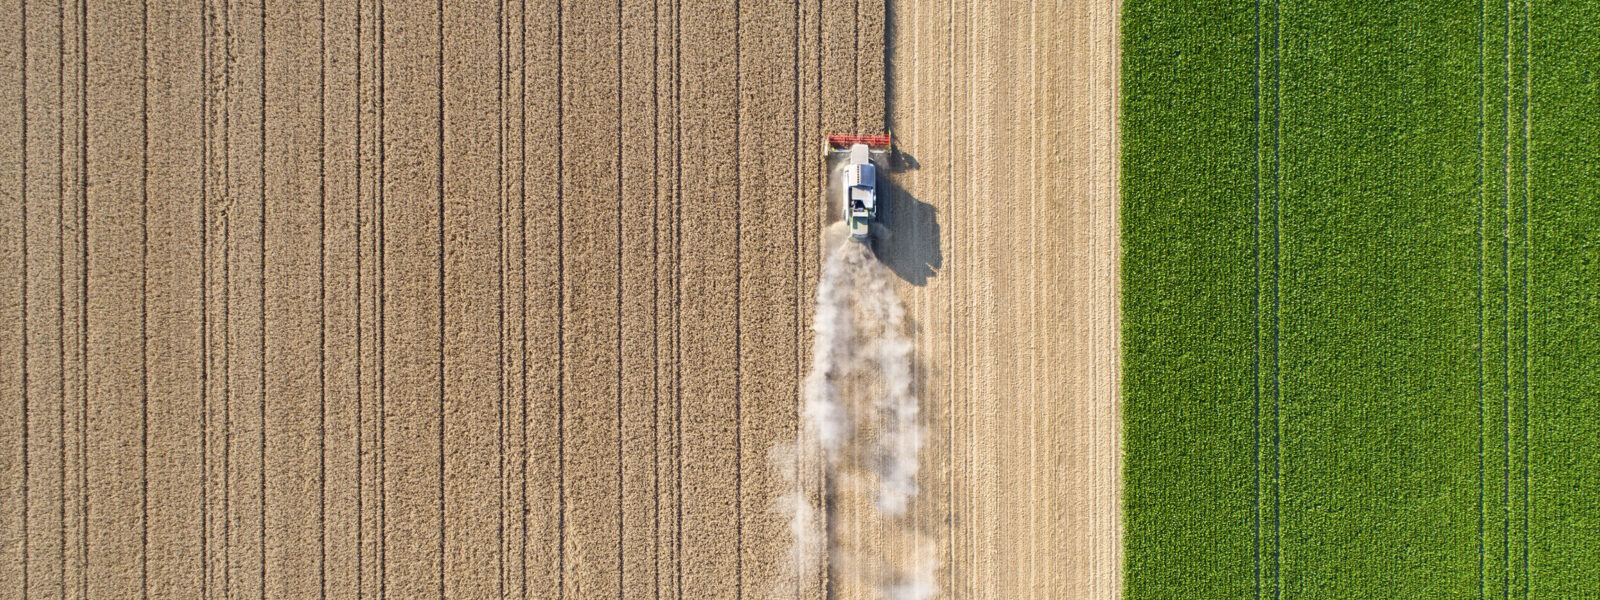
{"x": 354, "y": 298}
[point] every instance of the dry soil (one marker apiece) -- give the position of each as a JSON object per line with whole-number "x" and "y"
{"x": 353, "y": 298}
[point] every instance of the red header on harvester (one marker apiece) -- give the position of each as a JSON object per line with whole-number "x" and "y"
{"x": 845, "y": 140}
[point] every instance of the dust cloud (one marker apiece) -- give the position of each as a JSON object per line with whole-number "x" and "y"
{"x": 852, "y": 468}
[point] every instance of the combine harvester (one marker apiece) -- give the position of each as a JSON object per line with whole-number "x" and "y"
{"x": 858, "y": 180}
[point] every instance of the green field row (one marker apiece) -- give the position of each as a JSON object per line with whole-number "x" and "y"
{"x": 1361, "y": 299}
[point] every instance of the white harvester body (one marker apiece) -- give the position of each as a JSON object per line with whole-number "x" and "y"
{"x": 860, "y": 192}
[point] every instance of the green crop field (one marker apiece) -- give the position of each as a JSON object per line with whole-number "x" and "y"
{"x": 1361, "y": 299}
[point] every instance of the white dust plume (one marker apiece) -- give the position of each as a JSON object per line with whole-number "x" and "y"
{"x": 858, "y": 448}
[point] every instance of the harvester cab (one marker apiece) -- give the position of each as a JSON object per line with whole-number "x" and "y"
{"x": 859, "y": 185}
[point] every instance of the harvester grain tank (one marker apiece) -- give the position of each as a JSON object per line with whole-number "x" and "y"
{"x": 859, "y": 180}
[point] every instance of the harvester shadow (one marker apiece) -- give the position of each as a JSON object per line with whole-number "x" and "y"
{"x": 908, "y": 242}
